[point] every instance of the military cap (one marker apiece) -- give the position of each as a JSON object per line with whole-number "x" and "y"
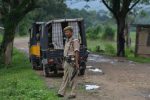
{"x": 68, "y": 28}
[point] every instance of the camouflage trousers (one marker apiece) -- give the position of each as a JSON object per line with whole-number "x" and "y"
{"x": 67, "y": 81}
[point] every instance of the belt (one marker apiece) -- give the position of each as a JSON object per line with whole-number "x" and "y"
{"x": 71, "y": 58}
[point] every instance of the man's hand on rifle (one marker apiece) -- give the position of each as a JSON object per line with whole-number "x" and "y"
{"x": 77, "y": 59}
{"x": 77, "y": 66}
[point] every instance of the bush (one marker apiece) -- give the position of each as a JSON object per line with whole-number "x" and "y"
{"x": 129, "y": 52}
{"x": 89, "y": 49}
{"x": 0, "y": 38}
{"x": 23, "y": 27}
{"x": 93, "y": 32}
{"x": 109, "y": 49}
{"x": 108, "y": 34}
{"x": 98, "y": 49}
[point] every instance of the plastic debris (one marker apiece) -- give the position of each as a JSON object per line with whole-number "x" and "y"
{"x": 91, "y": 87}
{"x": 96, "y": 70}
{"x": 89, "y": 67}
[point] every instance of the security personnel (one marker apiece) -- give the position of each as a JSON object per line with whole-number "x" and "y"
{"x": 71, "y": 56}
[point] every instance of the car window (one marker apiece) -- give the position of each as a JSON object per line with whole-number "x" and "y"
{"x": 57, "y": 36}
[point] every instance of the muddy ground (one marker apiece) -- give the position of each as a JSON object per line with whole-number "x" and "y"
{"x": 120, "y": 79}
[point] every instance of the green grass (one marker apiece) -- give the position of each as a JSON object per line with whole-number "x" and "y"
{"x": 104, "y": 45}
{"x": 19, "y": 82}
{"x": 91, "y": 44}
{"x": 0, "y": 38}
{"x": 130, "y": 56}
{"x": 139, "y": 59}
{"x": 109, "y": 48}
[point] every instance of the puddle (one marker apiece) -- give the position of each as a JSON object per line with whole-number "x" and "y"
{"x": 145, "y": 92}
{"x": 96, "y": 70}
{"x": 98, "y": 58}
{"x": 112, "y": 62}
{"x": 91, "y": 87}
{"x": 91, "y": 59}
{"x": 130, "y": 61}
{"x": 88, "y": 67}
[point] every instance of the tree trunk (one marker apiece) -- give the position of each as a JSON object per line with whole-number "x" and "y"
{"x": 127, "y": 34}
{"x": 120, "y": 37}
{"x": 7, "y": 46}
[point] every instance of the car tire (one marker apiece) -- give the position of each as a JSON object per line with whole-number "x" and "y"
{"x": 46, "y": 70}
{"x": 34, "y": 66}
{"x": 55, "y": 71}
{"x": 82, "y": 69}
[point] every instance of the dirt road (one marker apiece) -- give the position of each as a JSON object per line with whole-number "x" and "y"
{"x": 119, "y": 80}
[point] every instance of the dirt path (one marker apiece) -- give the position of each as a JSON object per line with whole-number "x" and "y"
{"x": 122, "y": 79}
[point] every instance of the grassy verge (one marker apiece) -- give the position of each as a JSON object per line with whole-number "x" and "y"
{"x": 131, "y": 56}
{"x": 0, "y": 38}
{"x": 19, "y": 82}
{"x": 101, "y": 47}
{"x": 109, "y": 48}
{"x": 139, "y": 59}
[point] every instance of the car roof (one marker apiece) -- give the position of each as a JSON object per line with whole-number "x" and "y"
{"x": 39, "y": 23}
{"x": 64, "y": 20}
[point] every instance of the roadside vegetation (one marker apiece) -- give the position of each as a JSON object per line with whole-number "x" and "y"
{"x": 103, "y": 38}
{"x": 20, "y": 82}
{"x": 0, "y": 38}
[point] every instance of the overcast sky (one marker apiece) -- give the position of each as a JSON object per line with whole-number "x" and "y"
{"x": 93, "y": 5}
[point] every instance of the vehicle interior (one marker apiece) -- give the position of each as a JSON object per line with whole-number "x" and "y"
{"x": 56, "y": 36}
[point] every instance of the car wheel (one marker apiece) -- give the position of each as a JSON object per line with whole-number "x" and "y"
{"x": 55, "y": 71}
{"x": 34, "y": 66}
{"x": 82, "y": 69}
{"x": 46, "y": 70}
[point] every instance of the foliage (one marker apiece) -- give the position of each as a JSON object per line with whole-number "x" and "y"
{"x": 101, "y": 46}
{"x": 109, "y": 49}
{"x": 108, "y": 34}
{"x": 130, "y": 55}
{"x": 0, "y": 47}
{"x": 129, "y": 52}
{"x": 98, "y": 49}
{"x": 93, "y": 32}
{"x": 92, "y": 18}
{"x": 49, "y": 9}
{"x": 11, "y": 13}
{"x": 54, "y": 9}
{"x": 139, "y": 59}
{"x": 20, "y": 82}
{"x": 23, "y": 27}
{"x": 120, "y": 10}
{"x": 0, "y": 38}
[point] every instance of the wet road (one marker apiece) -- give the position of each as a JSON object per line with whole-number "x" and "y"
{"x": 114, "y": 78}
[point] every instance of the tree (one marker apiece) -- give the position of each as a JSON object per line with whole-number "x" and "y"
{"x": 50, "y": 9}
{"x": 120, "y": 9}
{"x": 11, "y": 13}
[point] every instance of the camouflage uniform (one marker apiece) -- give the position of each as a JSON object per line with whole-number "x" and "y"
{"x": 71, "y": 46}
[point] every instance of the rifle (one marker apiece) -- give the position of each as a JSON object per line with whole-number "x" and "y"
{"x": 74, "y": 73}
